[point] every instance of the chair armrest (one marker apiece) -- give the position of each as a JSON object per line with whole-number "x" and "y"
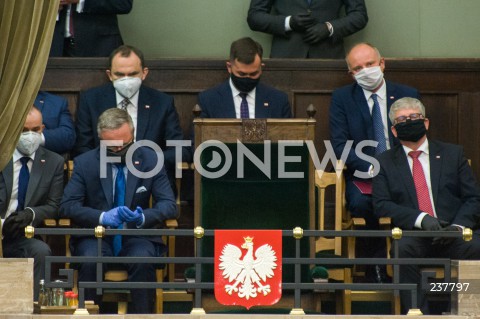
{"x": 171, "y": 223}
{"x": 50, "y": 222}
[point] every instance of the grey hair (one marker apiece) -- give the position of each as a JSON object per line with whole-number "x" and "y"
{"x": 358, "y": 44}
{"x": 113, "y": 119}
{"x": 406, "y": 103}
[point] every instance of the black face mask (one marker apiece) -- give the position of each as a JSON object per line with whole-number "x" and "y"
{"x": 411, "y": 131}
{"x": 121, "y": 153}
{"x": 244, "y": 85}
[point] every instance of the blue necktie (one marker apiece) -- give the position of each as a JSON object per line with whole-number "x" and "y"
{"x": 244, "y": 106}
{"x": 378, "y": 130}
{"x": 119, "y": 200}
{"x": 23, "y": 178}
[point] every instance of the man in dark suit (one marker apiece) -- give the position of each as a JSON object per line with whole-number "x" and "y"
{"x": 88, "y": 28}
{"x": 426, "y": 185}
{"x": 153, "y": 112}
{"x": 243, "y": 95}
{"x": 307, "y": 28}
{"x": 351, "y": 119}
{"x": 59, "y": 132}
{"x": 90, "y": 200}
{"x": 31, "y": 187}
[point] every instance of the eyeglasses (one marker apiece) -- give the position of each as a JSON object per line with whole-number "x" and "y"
{"x": 119, "y": 148}
{"x": 412, "y": 117}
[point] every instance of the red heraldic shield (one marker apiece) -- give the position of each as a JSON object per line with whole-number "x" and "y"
{"x": 248, "y": 267}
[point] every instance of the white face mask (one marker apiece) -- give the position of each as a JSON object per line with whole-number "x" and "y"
{"x": 369, "y": 78}
{"x": 127, "y": 86}
{"x": 28, "y": 143}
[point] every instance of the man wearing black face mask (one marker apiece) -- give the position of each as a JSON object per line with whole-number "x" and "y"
{"x": 243, "y": 95}
{"x": 425, "y": 185}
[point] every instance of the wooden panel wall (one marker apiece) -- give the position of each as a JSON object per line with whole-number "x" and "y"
{"x": 450, "y": 88}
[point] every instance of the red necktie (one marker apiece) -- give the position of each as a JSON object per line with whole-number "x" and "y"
{"x": 423, "y": 196}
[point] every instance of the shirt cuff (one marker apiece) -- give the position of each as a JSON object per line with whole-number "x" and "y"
{"x": 33, "y": 218}
{"x": 330, "y": 28}
{"x": 100, "y": 219}
{"x": 80, "y": 6}
{"x": 142, "y": 223}
{"x": 418, "y": 221}
{"x": 287, "y": 24}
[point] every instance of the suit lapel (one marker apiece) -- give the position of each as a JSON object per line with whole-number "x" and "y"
{"x": 391, "y": 97}
{"x": 362, "y": 105}
{"x": 435, "y": 167}
{"x": 262, "y": 109}
{"x": 227, "y": 98}
{"x": 143, "y": 114}
{"x": 8, "y": 176}
{"x": 132, "y": 182}
{"x": 38, "y": 167}
{"x": 403, "y": 169}
{"x": 107, "y": 182}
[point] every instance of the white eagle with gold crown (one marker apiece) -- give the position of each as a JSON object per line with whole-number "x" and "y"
{"x": 249, "y": 272}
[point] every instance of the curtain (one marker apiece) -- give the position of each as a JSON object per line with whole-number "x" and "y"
{"x": 26, "y": 30}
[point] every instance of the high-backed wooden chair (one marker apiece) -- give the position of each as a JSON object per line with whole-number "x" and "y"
{"x": 342, "y": 247}
{"x": 332, "y": 247}
{"x": 256, "y": 201}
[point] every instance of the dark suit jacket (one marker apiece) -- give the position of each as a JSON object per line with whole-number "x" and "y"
{"x": 87, "y": 195}
{"x": 350, "y": 119}
{"x": 269, "y": 16}
{"x": 96, "y": 28}
{"x": 456, "y": 194}
{"x": 217, "y": 102}
{"x": 45, "y": 186}
{"x": 59, "y": 130}
{"x": 157, "y": 119}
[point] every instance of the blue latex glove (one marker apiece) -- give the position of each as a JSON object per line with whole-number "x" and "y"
{"x": 128, "y": 216}
{"x": 112, "y": 217}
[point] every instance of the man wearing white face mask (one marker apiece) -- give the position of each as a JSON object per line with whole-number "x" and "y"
{"x": 153, "y": 112}
{"x": 31, "y": 187}
{"x": 359, "y": 112}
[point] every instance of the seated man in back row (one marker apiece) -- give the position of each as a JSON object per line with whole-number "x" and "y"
{"x": 119, "y": 200}
{"x": 425, "y": 185}
{"x": 243, "y": 95}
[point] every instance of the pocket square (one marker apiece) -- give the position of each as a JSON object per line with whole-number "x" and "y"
{"x": 141, "y": 189}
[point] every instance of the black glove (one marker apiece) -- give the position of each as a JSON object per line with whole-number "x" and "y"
{"x": 300, "y": 22}
{"x": 316, "y": 33}
{"x": 432, "y": 223}
{"x": 446, "y": 240}
{"x": 14, "y": 225}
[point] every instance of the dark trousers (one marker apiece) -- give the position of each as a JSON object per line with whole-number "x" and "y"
{"x": 29, "y": 248}
{"x": 415, "y": 247}
{"x": 142, "y": 299}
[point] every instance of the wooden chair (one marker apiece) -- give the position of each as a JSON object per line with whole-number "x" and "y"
{"x": 332, "y": 247}
{"x": 256, "y": 201}
{"x": 345, "y": 248}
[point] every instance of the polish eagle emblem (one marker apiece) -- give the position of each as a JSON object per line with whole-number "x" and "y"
{"x": 247, "y": 276}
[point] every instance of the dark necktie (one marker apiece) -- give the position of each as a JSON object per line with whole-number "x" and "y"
{"x": 423, "y": 196}
{"x": 125, "y": 102}
{"x": 244, "y": 106}
{"x": 23, "y": 178}
{"x": 378, "y": 128}
{"x": 119, "y": 200}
